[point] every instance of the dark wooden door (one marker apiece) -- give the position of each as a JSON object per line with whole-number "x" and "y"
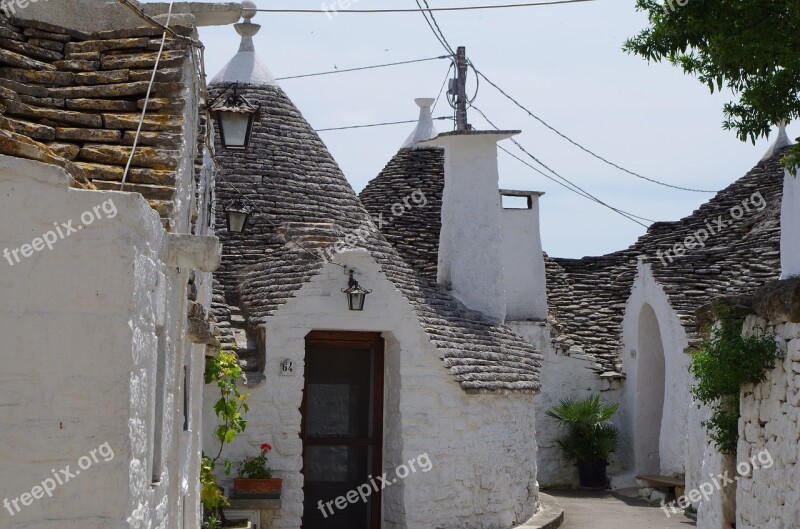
{"x": 342, "y": 429}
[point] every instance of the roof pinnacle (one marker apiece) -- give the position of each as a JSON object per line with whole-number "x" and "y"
{"x": 424, "y": 129}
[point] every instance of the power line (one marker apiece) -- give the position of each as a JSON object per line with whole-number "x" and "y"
{"x": 379, "y": 124}
{"x": 434, "y": 25}
{"x": 463, "y": 8}
{"x": 569, "y": 185}
{"x": 436, "y": 34}
{"x": 581, "y": 147}
{"x": 330, "y": 72}
{"x": 444, "y": 84}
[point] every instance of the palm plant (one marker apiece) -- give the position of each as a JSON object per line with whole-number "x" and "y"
{"x": 590, "y": 435}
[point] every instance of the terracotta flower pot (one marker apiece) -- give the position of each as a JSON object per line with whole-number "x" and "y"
{"x": 257, "y": 488}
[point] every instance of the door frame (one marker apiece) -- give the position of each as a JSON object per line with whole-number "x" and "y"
{"x": 354, "y": 340}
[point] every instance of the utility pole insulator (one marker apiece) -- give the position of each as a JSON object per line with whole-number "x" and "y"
{"x": 461, "y": 94}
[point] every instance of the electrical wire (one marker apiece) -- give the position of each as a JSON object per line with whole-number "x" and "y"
{"x": 147, "y": 97}
{"x": 380, "y": 124}
{"x": 331, "y": 72}
{"x": 199, "y": 63}
{"x": 436, "y": 34}
{"x": 444, "y": 84}
{"x": 463, "y": 8}
{"x": 581, "y": 147}
{"x": 569, "y": 185}
{"x": 438, "y": 28}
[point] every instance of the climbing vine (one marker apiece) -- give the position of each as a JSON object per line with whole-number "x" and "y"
{"x": 224, "y": 371}
{"x": 726, "y": 361}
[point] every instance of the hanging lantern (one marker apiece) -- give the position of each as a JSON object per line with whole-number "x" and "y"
{"x": 356, "y": 295}
{"x": 238, "y": 214}
{"x": 235, "y": 117}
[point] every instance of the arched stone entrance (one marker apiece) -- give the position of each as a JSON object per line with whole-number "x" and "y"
{"x": 649, "y": 393}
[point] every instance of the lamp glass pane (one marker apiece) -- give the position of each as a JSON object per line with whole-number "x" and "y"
{"x": 236, "y": 220}
{"x": 234, "y": 128}
{"x": 357, "y": 301}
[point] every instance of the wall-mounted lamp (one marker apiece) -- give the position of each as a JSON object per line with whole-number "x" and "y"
{"x": 238, "y": 213}
{"x": 235, "y": 117}
{"x": 356, "y": 295}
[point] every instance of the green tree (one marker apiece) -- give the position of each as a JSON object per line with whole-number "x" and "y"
{"x": 749, "y": 46}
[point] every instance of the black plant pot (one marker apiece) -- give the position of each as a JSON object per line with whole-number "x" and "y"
{"x": 592, "y": 474}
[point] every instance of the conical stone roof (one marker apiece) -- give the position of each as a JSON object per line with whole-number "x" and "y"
{"x": 300, "y": 193}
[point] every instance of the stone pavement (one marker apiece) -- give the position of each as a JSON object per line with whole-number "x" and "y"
{"x": 607, "y": 510}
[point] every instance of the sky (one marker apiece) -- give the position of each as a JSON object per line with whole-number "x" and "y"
{"x": 563, "y": 62}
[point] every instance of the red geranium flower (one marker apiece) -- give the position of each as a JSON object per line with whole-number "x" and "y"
{"x": 266, "y": 447}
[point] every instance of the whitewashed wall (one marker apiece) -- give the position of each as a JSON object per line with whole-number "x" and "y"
{"x": 523, "y": 264}
{"x": 564, "y": 376}
{"x": 790, "y": 226}
{"x": 482, "y": 447}
{"x": 79, "y": 354}
{"x": 672, "y": 446}
{"x": 769, "y": 497}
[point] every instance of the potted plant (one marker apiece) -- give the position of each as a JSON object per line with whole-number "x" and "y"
{"x": 590, "y": 438}
{"x": 255, "y": 478}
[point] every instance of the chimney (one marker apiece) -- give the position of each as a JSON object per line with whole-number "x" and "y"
{"x": 471, "y": 262}
{"x": 790, "y": 213}
{"x": 790, "y": 226}
{"x": 525, "y": 280}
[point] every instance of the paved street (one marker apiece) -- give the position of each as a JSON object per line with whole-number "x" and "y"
{"x": 605, "y": 510}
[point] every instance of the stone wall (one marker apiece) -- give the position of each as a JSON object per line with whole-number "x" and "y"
{"x": 481, "y": 447}
{"x": 769, "y": 498}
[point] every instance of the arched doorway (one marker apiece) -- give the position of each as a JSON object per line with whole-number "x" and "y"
{"x": 649, "y": 393}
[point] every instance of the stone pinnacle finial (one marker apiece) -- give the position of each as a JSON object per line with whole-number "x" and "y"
{"x": 245, "y": 67}
{"x": 780, "y": 142}
{"x": 249, "y": 10}
{"x": 247, "y": 29}
{"x": 424, "y": 129}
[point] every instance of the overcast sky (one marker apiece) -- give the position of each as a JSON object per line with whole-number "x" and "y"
{"x": 564, "y": 62}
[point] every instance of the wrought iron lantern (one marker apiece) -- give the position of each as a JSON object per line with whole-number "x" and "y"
{"x": 238, "y": 214}
{"x": 235, "y": 117}
{"x": 356, "y": 295}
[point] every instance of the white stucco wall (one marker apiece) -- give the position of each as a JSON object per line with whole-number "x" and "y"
{"x": 471, "y": 239}
{"x": 79, "y": 354}
{"x": 672, "y": 446}
{"x": 769, "y": 496}
{"x": 523, "y": 264}
{"x": 481, "y": 447}
{"x": 790, "y": 226}
{"x": 564, "y": 376}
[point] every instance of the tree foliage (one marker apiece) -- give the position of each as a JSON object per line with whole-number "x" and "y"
{"x": 749, "y": 46}
{"x": 725, "y": 362}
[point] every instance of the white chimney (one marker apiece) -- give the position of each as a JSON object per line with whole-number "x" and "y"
{"x": 471, "y": 240}
{"x": 790, "y": 226}
{"x": 525, "y": 280}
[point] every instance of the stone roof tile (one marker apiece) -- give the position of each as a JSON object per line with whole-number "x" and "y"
{"x": 74, "y": 100}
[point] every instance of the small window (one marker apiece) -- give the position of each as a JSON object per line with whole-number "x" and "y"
{"x": 159, "y": 390}
{"x": 185, "y": 399}
{"x": 516, "y": 202}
